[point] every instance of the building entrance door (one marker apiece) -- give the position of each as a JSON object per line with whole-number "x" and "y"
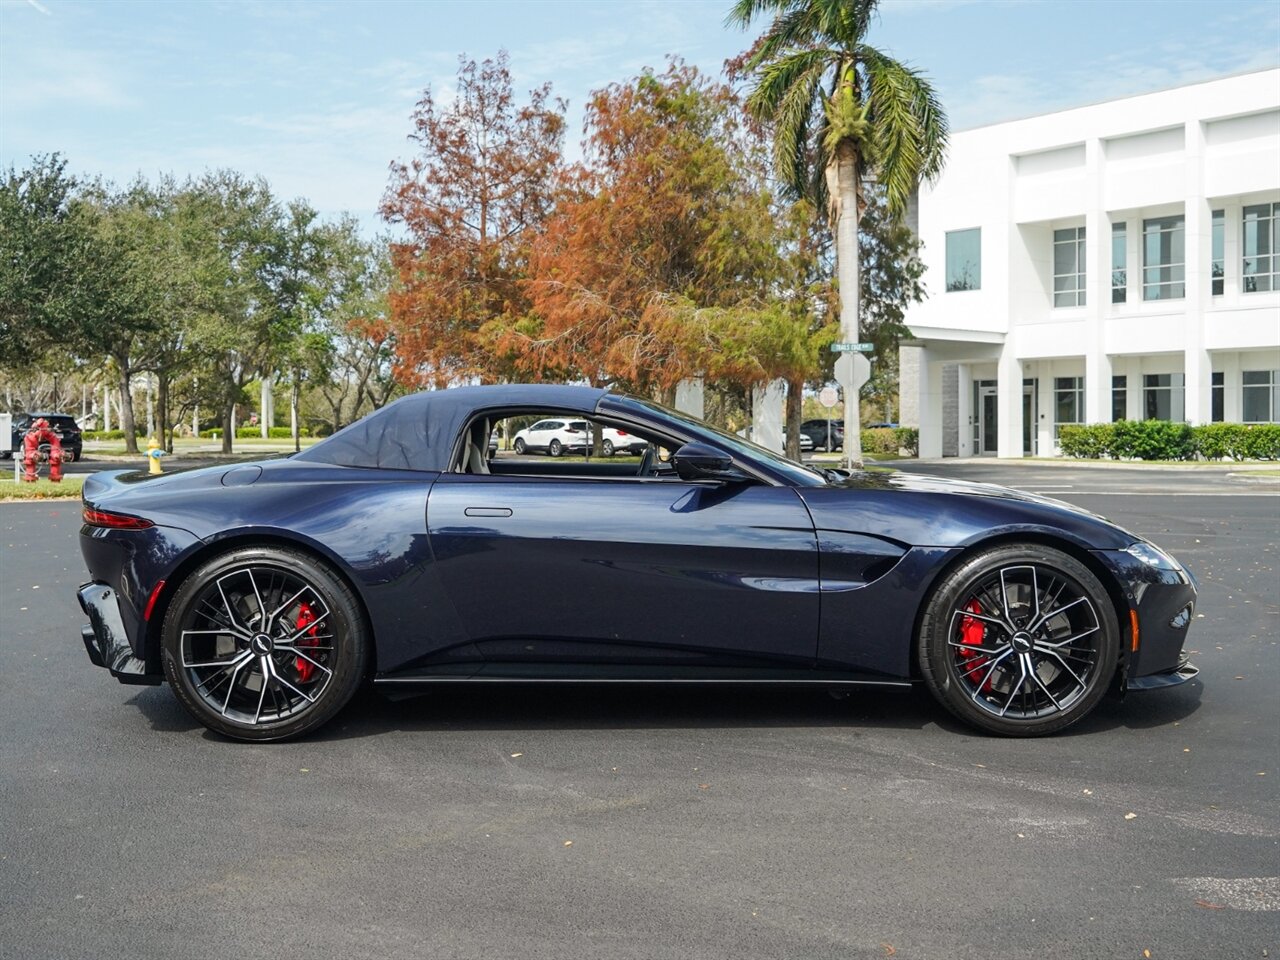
{"x": 1030, "y": 416}
{"x": 986, "y": 435}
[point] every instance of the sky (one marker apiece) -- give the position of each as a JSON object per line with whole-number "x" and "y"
{"x": 316, "y": 96}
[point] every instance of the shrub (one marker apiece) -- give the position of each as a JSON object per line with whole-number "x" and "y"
{"x": 908, "y": 440}
{"x": 1153, "y": 440}
{"x": 1258, "y": 441}
{"x": 880, "y": 440}
{"x": 1214, "y": 441}
{"x": 1089, "y": 440}
{"x": 245, "y": 432}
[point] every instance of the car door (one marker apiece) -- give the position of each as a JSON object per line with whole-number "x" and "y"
{"x": 628, "y": 570}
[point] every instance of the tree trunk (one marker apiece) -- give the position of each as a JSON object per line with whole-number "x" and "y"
{"x": 126, "y": 408}
{"x": 228, "y": 422}
{"x": 795, "y": 401}
{"x": 162, "y": 412}
{"x": 294, "y": 395}
{"x": 845, "y": 202}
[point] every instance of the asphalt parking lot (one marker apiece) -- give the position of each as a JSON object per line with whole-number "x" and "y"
{"x": 689, "y": 823}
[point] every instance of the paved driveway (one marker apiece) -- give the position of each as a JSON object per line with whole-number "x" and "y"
{"x": 677, "y": 823}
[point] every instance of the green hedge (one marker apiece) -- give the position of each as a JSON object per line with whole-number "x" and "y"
{"x": 908, "y": 440}
{"x": 255, "y": 433}
{"x": 891, "y": 440}
{"x": 1164, "y": 440}
{"x": 107, "y": 434}
{"x": 880, "y": 440}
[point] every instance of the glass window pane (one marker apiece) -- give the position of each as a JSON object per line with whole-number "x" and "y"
{"x": 964, "y": 260}
{"x": 1064, "y": 258}
{"x": 1257, "y": 404}
{"x": 1256, "y": 377}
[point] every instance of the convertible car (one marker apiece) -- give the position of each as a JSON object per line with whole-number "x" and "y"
{"x": 398, "y": 552}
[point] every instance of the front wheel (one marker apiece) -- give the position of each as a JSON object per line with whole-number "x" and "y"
{"x": 1019, "y": 640}
{"x": 519, "y": 446}
{"x": 264, "y": 643}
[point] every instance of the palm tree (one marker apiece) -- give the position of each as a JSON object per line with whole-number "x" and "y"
{"x": 843, "y": 113}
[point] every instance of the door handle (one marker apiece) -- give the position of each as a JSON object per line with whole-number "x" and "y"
{"x": 487, "y": 511}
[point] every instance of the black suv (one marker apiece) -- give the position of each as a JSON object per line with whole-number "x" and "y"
{"x": 63, "y": 424}
{"x": 816, "y": 430}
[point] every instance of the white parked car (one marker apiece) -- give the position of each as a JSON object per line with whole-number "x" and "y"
{"x": 558, "y": 436}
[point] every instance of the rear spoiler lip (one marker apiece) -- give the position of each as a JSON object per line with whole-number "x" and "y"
{"x": 98, "y": 486}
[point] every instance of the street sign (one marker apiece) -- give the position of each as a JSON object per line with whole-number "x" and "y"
{"x": 852, "y": 371}
{"x": 853, "y": 348}
{"x": 829, "y": 397}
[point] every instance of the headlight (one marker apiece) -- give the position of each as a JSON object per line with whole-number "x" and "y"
{"x": 1153, "y": 556}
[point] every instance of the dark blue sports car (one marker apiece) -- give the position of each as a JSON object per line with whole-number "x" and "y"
{"x": 400, "y": 550}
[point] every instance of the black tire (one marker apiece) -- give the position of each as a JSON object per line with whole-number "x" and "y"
{"x": 69, "y": 456}
{"x": 1008, "y": 608}
{"x": 519, "y": 446}
{"x": 607, "y": 446}
{"x": 215, "y": 618}
{"x": 555, "y": 449}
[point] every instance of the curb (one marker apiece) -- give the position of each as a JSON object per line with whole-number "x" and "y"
{"x": 1248, "y": 478}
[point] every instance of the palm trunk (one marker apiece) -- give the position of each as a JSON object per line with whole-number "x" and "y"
{"x": 845, "y": 198}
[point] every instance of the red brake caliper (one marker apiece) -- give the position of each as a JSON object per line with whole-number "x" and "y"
{"x": 972, "y": 631}
{"x": 309, "y": 639}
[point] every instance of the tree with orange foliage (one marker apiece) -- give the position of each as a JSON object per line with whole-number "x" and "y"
{"x": 665, "y": 208}
{"x": 471, "y": 202}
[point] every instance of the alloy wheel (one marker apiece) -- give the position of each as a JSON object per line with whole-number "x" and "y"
{"x": 1025, "y": 642}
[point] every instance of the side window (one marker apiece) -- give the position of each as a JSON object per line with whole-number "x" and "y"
{"x": 541, "y": 425}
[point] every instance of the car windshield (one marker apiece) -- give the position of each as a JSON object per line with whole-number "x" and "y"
{"x": 795, "y": 472}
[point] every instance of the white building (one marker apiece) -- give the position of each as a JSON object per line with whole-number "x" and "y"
{"x": 1119, "y": 260}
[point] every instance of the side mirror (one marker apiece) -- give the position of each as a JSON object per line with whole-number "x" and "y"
{"x": 697, "y": 461}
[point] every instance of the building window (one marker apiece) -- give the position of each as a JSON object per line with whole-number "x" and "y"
{"x": 1119, "y": 264}
{"x": 1119, "y": 398}
{"x": 1219, "y": 258}
{"x": 1260, "y": 396}
{"x": 1261, "y": 265}
{"x": 1163, "y": 258}
{"x": 1218, "y": 397}
{"x": 1068, "y": 402}
{"x": 1068, "y": 267}
{"x": 964, "y": 260}
{"x": 1164, "y": 397}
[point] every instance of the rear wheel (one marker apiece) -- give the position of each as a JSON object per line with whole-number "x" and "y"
{"x": 556, "y": 448}
{"x": 264, "y": 643}
{"x": 607, "y": 446}
{"x": 1019, "y": 640}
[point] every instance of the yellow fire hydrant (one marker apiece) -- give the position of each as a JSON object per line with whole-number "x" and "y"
{"x": 154, "y": 453}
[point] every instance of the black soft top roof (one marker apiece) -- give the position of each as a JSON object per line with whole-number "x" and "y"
{"x": 417, "y": 432}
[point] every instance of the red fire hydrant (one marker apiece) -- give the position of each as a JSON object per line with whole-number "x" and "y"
{"x": 40, "y": 433}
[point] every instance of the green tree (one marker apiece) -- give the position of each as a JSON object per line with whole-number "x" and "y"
{"x": 43, "y": 239}
{"x": 841, "y": 112}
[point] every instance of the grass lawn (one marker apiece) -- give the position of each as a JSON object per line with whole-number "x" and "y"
{"x": 42, "y": 489}
{"x": 197, "y": 447}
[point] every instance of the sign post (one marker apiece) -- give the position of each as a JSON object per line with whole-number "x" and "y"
{"x": 828, "y": 397}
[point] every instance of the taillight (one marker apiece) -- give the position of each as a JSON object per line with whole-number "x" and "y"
{"x": 622, "y": 433}
{"x": 115, "y": 521}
